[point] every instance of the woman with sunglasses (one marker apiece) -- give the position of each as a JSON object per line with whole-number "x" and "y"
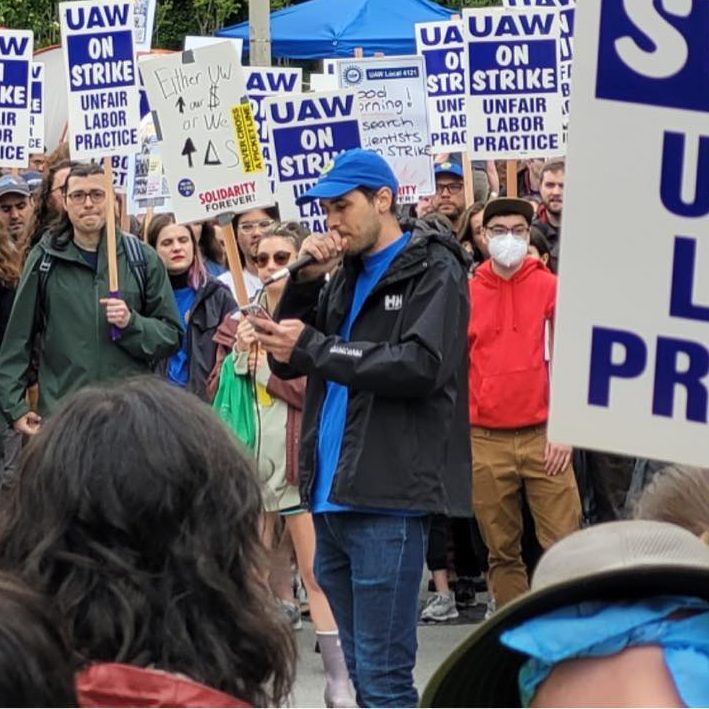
{"x": 279, "y": 405}
{"x": 202, "y": 302}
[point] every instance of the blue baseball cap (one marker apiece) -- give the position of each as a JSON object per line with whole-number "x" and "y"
{"x": 452, "y": 166}
{"x": 348, "y": 171}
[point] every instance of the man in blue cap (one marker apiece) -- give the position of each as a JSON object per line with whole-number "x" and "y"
{"x": 383, "y": 441}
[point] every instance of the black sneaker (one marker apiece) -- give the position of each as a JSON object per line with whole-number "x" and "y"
{"x": 465, "y": 592}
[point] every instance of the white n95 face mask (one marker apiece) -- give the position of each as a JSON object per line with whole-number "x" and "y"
{"x": 507, "y": 249}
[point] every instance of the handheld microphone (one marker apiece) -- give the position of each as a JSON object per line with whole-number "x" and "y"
{"x": 291, "y": 268}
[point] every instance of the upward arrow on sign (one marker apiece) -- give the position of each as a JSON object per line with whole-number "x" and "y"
{"x": 180, "y": 104}
{"x": 188, "y": 149}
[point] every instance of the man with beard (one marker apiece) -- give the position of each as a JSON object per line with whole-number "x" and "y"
{"x": 548, "y": 220}
{"x": 16, "y": 208}
{"x": 450, "y": 190}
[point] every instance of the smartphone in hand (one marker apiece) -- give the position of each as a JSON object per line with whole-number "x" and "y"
{"x": 256, "y": 311}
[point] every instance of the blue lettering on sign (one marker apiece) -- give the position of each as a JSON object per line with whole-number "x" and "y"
{"x": 683, "y": 272}
{"x": 432, "y": 36}
{"x": 312, "y": 109}
{"x": 532, "y": 68}
{"x": 673, "y": 168}
{"x": 444, "y": 72}
{"x": 79, "y": 18}
{"x": 13, "y": 46}
{"x": 654, "y": 52}
{"x": 36, "y": 90}
{"x": 392, "y": 73}
{"x": 271, "y": 82}
{"x": 111, "y": 69}
{"x": 13, "y": 87}
{"x": 303, "y": 151}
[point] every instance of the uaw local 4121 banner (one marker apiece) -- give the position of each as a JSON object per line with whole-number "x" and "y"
{"x": 209, "y": 142}
{"x": 631, "y": 355}
{"x": 306, "y": 133}
{"x": 103, "y": 94}
{"x": 391, "y": 92}
{"x": 441, "y": 46}
{"x": 513, "y": 94}
{"x": 15, "y": 63}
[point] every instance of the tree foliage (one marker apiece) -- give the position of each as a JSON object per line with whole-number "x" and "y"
{"x": 174, "y": 18}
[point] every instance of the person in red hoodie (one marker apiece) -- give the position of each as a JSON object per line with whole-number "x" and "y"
{"x": 512, "y": 299}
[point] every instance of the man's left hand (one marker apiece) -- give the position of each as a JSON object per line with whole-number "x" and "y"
{"x": 556, "y": 458}
{"x": 117, "y": 312}
{"x": 278, "y": 339}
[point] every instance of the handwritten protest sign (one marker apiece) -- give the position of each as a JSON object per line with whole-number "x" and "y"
{"x": 36, "y": 139}
{"x": 441, "y": 45}
{"x": 103, "y": 82}
{"x": 269, "y": 81}
{"x": 391, "y": 92}
{"x": 513, "y": 90}
{"x": 306, "y": 133}
{"x": 15, "y": 63}
{"x": 631, "y": 354}
{"x": 144, "y": 16}
{"x": 205, "y": 125}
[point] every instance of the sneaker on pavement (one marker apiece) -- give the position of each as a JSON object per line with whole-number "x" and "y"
{"x": 491, "y": 607}
{"x": 439, "y": 608}
{"x": 465, "y": 592}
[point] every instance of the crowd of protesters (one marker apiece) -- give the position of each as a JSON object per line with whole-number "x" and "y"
{"x": 382, "y": 410}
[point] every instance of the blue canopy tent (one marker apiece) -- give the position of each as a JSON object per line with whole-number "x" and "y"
{"x": 320, "y": 29}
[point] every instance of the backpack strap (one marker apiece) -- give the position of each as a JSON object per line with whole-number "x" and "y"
{"x": 43, "y": 270}
{"x": 137, "y": 263}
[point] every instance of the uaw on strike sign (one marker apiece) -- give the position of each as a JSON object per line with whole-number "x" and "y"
{"x": 15, "y": 63}
{"x": 212, "y": 155}
{"x": 104, "y": 98}
{"x": 631, "y": 361}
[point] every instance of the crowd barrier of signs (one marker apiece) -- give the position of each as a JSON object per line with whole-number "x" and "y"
{"x": 492, "y": 84}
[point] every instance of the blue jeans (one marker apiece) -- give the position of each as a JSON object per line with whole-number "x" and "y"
{"x": 370, "y": 567}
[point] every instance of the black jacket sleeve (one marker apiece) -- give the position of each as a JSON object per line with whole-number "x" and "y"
{"x": 299, "y": 301}
{"x": 436, "y": 312}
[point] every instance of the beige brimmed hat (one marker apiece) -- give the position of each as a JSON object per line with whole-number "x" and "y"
{"x": 612, "y": 561}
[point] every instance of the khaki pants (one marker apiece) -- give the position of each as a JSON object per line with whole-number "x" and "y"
{"x": 503, "y": 461}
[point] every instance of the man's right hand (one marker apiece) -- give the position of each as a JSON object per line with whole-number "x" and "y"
{"x": 327, "y": 249}
{"x": 28, "y": 424}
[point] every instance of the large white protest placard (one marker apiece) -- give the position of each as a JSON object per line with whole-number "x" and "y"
{"x": 269, "y": 81}
{"x": 306, "y": 133}
{"x": 15, "y": 64}
{"x": 36, "y": 139}
{"x": 513, "y": 100}
{"x": 144, "y": 21}
{"x": 566, "y": 16}
{"x": 391, "y": 92}
{"x": 97, "y": 38}
{"x": 323, "y": 82}
{"x": 441, "y": 45}
{"x": 631, "y": 355}
{"x": 204, "y": 121}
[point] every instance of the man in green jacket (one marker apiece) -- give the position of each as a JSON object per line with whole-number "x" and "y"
{"x": 63, "y": 306}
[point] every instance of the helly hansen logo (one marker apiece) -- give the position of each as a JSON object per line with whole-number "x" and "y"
{"x": 393, "y": 302}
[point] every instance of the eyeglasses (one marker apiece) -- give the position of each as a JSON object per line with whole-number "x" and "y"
{"x": 502, "y": 230}
{"x": 450, "y": 187}
{"x": 250, "y": 227}
{"x": 281, "y": 258}
{"x": 79, "y": 197}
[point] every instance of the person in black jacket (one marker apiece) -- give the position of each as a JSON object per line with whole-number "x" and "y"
{"x": 202, "y": 301}
{"x": 384, "y": 442}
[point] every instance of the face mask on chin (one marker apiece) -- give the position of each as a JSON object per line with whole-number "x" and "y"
{"x": 508, "y": 250}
